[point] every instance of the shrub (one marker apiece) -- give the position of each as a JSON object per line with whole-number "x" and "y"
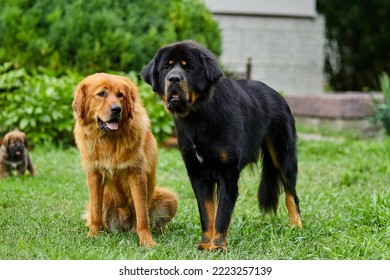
{"x": 382, "y": 113}
{"x": 358, "y": 42}
{"x": 93, "y": 36}
{"x": 38, "y": 104}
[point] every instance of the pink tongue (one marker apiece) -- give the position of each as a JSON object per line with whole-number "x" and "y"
{"x": 112, "y": 125}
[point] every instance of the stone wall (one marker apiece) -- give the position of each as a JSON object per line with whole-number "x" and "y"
{"x": 285, "y": 40}
{"x": 287, "y": 52}
{"x": 337, "y": 111}
{"x": 350, "y": 105}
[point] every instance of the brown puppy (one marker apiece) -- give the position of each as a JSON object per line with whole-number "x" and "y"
{"x": 14, "y": 154}
{"x": 119, "y": 153}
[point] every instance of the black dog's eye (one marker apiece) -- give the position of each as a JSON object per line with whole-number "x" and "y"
{"x": 185, "y": 64}
{"x": 120, "y": 95}
{"x": 102, "y": 93}
{"x": 169, "y": 65}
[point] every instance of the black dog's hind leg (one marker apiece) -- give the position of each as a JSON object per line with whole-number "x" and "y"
{"x": 284, "y": 160}
{"x": 268, "y": 193}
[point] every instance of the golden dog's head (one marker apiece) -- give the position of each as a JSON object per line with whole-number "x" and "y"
{"x": 105, "y": 99}
{"x": 15, "y": 143}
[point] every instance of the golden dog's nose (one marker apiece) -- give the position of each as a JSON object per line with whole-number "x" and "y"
{"x": 116, "y": 109}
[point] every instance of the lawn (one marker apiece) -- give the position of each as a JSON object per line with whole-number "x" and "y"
{"x": 343, "y": 186}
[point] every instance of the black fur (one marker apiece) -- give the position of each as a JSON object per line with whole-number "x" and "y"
{"x": 223, "y": 125}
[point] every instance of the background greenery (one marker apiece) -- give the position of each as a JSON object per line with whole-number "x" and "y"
{"x": 382, "y": 112}
{"x": 99, "y": 35}
{"x": 46, "y": 47}
{"x": 343, "y": 186}
{"x": 358, "y": 41}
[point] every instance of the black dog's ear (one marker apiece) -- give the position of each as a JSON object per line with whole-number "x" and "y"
{"x": 147, "y": 72}
{"x": 151, "y": 75}
{"x": 210, "y": 72}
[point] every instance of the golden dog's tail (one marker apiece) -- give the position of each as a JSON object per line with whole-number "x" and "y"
{"x": 163, "y": 208}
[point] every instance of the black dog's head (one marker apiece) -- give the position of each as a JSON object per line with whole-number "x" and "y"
{"x": 182, "y": 75}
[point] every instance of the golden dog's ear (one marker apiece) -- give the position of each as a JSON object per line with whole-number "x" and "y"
{"x": 131, "y": 98}
{"x": 79, "y": 100}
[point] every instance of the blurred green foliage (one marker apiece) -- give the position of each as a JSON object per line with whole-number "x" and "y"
{"x": 382, "y": 112}
{"x": 47, "y": 46}
{"x": 38, "y": 104}
{"x": 99, "y": 35}
{"x": 358, "y": 40}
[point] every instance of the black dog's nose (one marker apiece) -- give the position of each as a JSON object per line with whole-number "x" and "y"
{"x": 174, "y": 78}
{"x": 116, "y": 109}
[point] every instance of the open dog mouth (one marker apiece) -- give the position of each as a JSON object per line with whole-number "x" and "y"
{"x": 111, "y": 125}
{"x": 175, "y": 96}
{"x": 17, "y": 152}
{"x": 176, "y": 101}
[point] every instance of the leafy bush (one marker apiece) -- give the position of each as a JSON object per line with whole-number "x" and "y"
{"x": 93, "y": 36}
{"x": 382, "y": 113}
{"x": 40, "y": 105}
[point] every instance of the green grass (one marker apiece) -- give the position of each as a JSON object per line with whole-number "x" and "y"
{"x": 343, "y": 188}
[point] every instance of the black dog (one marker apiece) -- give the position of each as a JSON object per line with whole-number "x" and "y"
{"x": 223, "y": 125}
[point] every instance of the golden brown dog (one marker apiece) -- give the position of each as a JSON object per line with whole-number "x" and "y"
{"x": 119, "y": 154}
{"x": 14, "y": 154}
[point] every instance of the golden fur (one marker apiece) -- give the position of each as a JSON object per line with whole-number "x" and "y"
{"x": 14, "y": 154}
{"x": 119, "y": 154}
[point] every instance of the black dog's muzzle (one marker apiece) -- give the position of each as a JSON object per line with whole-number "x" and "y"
{"x": 176, "y": 94}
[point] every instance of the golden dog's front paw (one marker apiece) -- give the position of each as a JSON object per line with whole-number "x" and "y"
{"x": 147, "y": 242}
{"x": 146, "y": 239}
{"x": 93, "y": 231}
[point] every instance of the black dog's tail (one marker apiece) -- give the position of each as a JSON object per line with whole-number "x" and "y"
{"x": 269, "y": 189}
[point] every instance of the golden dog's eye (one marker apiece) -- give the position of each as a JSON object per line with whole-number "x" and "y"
{"x": 101, "y": 94}
{"x": 120, "y": 95}
{"x": 170, "y": 62}
{"x": 184, "y": 63}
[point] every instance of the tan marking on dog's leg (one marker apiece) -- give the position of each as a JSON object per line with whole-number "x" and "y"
{"x": 207, "y": 235}
{"x": 295, "y": 218}
{"x": 293, "y": 213}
